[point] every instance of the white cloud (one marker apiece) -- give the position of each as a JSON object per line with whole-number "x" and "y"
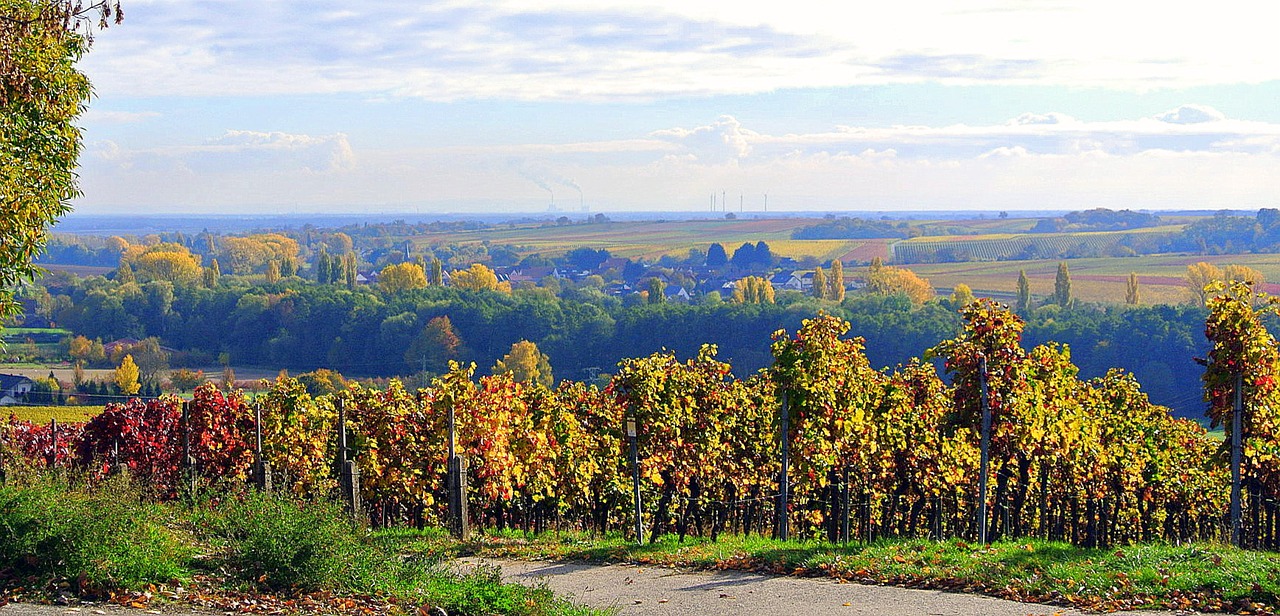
{"x": 721, "y": 141}
{"x": 1052, "y": 117}
{"x": 1191, "y": 114}
{"x": 583, "y": 49}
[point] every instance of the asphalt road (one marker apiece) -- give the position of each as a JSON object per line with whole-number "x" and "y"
{"x": 646, "y": 591}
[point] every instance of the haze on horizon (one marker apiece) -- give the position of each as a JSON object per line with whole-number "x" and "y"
{"x": 254, "y": 107}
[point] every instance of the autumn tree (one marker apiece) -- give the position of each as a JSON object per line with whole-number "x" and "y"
{"x": 836, "y": 281}
{"x": 888, "y": 280}
{"x": 85, "y": 351}
{"x": 252, "y": 253}
{"x": 819, "y": 283}
{"x": 434, "y": 346}
{"x": 1132, "y": 295}
{"x": 212, "y": 274}
{"x": 479, "y": 278}
{"x": 1024, "y": 293}
{"x": 185, "y": 379}
{"x": 322, "y": 382}
{"x": 526, "y": 364}
{"x": 161, "y": 261}
{"x": 1243, "y": 273}
{"x": 1062, "y": 286}
{"x": 124, "y": 273}
{"x": 753, "y": 290}
{"x": 656, "y": 291}
{"x": 402, "y": 277}
{"x": 962, "y": 296}
{"x": 1199, "y": 276}
{"x": 126, "y": 376}
{"x": 348, "y": 269}
{"x": 273, "y": 272}
{"x": 41, "y": 98}
{"x": 437, "y": 272}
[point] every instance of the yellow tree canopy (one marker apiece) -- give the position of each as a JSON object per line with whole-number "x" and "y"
{"x": 526, "y": 364}
{"x": 163, "y": 261}
{"x": 126, "y": 376}
{"x": 402, "y": 277}
{"x": 888, "y": 280}
{"x": 479, "y": 278}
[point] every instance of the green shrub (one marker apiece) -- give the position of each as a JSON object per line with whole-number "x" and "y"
{"x": 104, "y": 534}
{"x": 277, "y": 542}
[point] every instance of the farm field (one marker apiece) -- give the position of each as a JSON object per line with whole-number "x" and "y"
{"x": 653, "y": 240}
{"x": 1093, "y": 280}
{"x": 42, "y": 414}
{"x": 993, "y": 246}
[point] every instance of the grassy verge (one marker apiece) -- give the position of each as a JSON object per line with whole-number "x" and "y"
{"x": 1203, "y": 577}
{"x": 231, "y": 550}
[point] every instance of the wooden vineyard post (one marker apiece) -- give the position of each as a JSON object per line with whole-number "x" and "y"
{"x": 984, "y": 464}
{"x": 635, "y": 478}
{"x": 457, "y": 485}
{"x": 784, "y": 486}
{"x": 52, "y": 458}
{"x": 844, "y": 528}
{"x": 261, "y": 470}
{"x": 1237, "y": 425}
{"x": 349, "y": 474}
{"x": 188, "y": 464}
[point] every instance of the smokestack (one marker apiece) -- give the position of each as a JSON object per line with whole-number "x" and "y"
{"x": 766, "y": 202}
{"x": 740, "y": 206}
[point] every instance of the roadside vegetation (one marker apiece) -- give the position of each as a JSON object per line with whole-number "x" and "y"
{"x": 63, "y": 537}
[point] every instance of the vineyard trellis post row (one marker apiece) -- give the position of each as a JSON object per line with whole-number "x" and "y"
{"x": 984, "y": 464}
{"x": 784, "y": 484}
{"x": 635, "y": 477}
{"x": 1237, "y": 409}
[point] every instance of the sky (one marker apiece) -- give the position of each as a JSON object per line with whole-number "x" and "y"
{"x": 280, "y": 107}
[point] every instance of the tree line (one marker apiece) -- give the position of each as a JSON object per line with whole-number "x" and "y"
{"x": 368, "y": 332}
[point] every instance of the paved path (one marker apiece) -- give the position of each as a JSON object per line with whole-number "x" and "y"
{"x": 659, "y": 590}
{"x": 645, "y": 591}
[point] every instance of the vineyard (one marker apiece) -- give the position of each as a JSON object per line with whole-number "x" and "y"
{"x": 871, "y": 453}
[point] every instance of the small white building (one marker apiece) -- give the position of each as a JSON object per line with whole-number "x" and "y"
{"x": 14, "y": 388}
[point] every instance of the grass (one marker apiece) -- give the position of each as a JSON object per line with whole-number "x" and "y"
{"x": 42, "y": 414}
{"x": 110, "y": 540}
{"x": 27, "y": 331}
{"x": 1203, "y": 576}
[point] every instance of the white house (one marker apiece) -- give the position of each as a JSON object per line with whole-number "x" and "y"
{"x": 14, "y": 388}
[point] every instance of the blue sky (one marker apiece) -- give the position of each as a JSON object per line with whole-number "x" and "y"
{"x": 268, "y": 106}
